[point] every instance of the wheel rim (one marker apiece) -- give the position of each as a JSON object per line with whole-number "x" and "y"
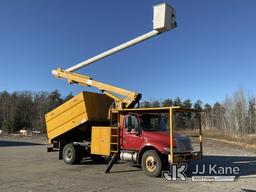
{"x": 68, "y": 154}
{"x": 151, "y": 164}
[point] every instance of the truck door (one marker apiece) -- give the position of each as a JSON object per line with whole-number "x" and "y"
{"x": 132, "y": 134}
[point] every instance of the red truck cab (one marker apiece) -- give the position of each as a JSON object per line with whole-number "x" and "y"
{"x": 145, "y": 138}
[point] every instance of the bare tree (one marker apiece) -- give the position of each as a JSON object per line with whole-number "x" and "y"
{"x": 251, "y": 115}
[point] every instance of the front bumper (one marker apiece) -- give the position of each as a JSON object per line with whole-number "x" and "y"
{"x": 185, "y": 157}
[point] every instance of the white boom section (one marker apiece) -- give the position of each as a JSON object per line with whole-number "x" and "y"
{"x": 163, "y": 20}
{"x": 114, "y": 50}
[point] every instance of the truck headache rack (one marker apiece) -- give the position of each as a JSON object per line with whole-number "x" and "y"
{"x": 170, "y": 111}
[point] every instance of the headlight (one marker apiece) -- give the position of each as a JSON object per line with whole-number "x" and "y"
{"x": 167, "y": 149}
{"x": 174, "y": 150}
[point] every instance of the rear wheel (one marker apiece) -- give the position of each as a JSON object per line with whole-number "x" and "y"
{"x": 151, "y": 163}
{"x": 71, "y": 154}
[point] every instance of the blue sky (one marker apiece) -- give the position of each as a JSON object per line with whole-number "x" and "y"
{"x": 210, "y": 55}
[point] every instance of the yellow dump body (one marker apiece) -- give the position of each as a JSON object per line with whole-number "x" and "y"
{"x": 82, "y": 108}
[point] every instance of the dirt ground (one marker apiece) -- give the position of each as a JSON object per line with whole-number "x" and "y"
{"x": 26, "y": 166}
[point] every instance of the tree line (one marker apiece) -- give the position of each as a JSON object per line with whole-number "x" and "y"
{"x": 235, "y": 116}
{"x": 26, "y": 109}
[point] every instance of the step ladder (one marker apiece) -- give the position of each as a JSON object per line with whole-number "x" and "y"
{"x": 114, "y": 141}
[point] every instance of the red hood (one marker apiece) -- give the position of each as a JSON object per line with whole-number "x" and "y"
{"x": 162, "y": 137}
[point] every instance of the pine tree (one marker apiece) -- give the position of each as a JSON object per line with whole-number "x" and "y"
{"x": 177, "y": 102}
{"x": 69, "y": 96}
{"x": 167, "y": 103}
{"x": 155, "y": 103}
{"x": 198, "y": 105}
{"x": 187, "y": 104}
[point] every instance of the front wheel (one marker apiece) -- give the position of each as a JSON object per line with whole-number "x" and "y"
{"x": 151, "y": 163}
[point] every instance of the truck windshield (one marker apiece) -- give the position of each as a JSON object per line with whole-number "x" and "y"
{"x": 153, "y": 122}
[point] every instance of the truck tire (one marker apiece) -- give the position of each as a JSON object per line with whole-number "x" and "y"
{"x": 151, "y": 163}
{"x": 71, "y": 154}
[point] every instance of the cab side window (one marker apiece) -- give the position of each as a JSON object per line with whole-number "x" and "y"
{"x": 132, "y": 122}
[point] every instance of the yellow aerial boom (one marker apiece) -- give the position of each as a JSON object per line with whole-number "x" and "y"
{"x": 163, "y": 20}
{"x": 129, "y": 99}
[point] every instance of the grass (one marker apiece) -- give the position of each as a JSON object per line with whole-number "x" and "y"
{"x": 245, "y": 140}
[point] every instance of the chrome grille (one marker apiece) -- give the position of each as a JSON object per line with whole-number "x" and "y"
{"x": 184, "y": 144}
